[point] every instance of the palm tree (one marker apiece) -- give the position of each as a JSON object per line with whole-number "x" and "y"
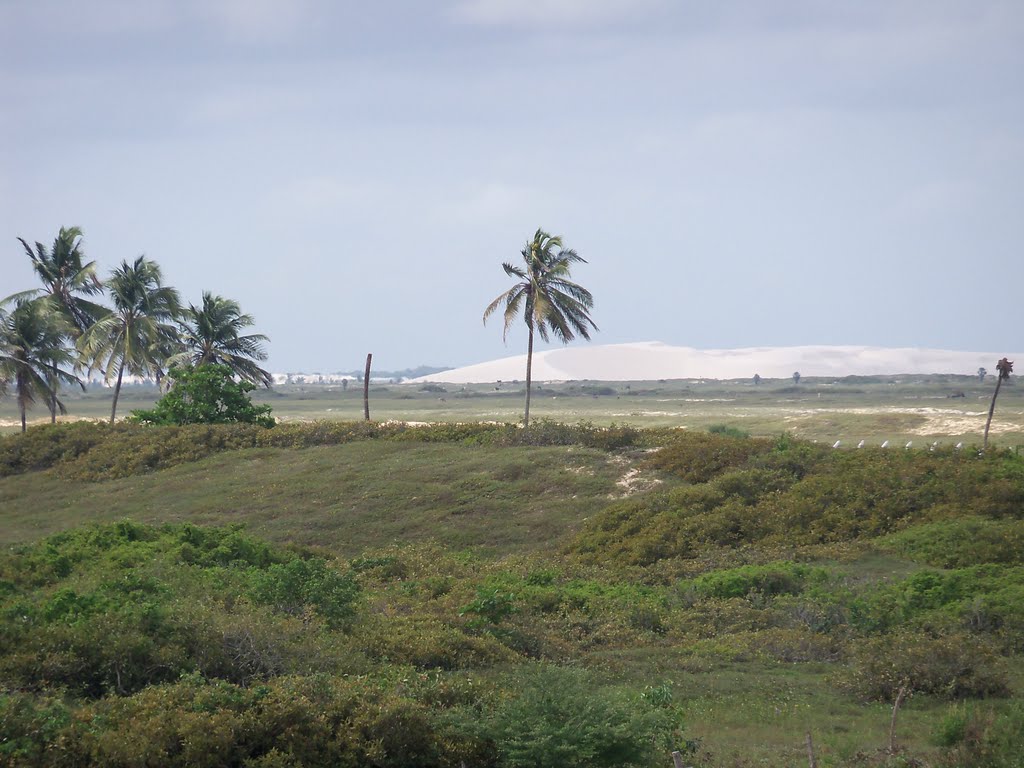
{"x": 32, "y": 354}
{"x": 212, "y": 334}
{"x": 66, "y": 280}
{"x": 551, "y": 303}
{"x": 140, "y": 325}
{"x": 1003, "y": 368}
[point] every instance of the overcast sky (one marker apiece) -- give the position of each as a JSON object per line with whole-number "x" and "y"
{"x": 737, "y": 173}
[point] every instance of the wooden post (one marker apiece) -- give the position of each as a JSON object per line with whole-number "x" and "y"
{"x": 895, "y": 710}
{"x": 677, "y": 760}
{"x": 811, "y": 762}
{"x": 366, "y": 388}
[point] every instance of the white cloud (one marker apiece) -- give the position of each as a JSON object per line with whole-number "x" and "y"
{"x": 257, "y": 20}
{"x": 551, "y": 12}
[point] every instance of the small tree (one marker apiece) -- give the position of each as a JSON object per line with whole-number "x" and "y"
{"x": 982, "y": 373}
{"x": 796, "y": 377}
{"x": 206, "y": 395}
{"x": 757, "y": 378}
{"x": 1004, "y": 368}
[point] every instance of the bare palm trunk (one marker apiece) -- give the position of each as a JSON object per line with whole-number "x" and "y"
{"x": 366, "y": 388}
{"x": 117, "y": 391}
{"x": 24, "y": 424}
{"x": 529, "y": 378}
{"x": 992, "y": 410}
{"x": 52, "y": 400}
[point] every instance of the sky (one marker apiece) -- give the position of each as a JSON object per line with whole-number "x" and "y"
{"x": 736, "y": 173}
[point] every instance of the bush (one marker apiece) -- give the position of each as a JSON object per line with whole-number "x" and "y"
{"x": 558, "y": 718}
{"x": 980, "y": 737}
{"x": 955, "y": 666}
{"x": 290, "y": 587}
{"x": 131, "y": 606}
{"x": 779, "y": 578}
{"x": 697, "y": 457}
{"x": 207, "y": 394}
{"x": 961, "y": 542}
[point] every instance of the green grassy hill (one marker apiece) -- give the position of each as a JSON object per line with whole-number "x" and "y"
{"x": 352, "y": 594}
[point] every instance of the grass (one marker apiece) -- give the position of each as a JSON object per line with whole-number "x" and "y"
{"x": 346, "y": 498}
{"x": 434, "y": 523}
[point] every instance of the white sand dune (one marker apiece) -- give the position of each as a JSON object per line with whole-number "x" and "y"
{"x": 652, "y": 360}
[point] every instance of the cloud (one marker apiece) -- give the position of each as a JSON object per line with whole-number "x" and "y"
{"x": 257, "y": 20}
{"x": 551, "y": 12}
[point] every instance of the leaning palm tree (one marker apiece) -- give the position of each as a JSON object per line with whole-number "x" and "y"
{"x": 139, "y": 326}
{"x": 65, "y": 278}
{"x": 1003, "y": 370}
{"x": 32, "y": 355}
{"x": 66, "y": 282}
{"x": 551, "y": 303}
{"x": 212, "y": 333}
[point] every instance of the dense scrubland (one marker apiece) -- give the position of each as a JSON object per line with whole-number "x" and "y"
{"x": 383, "y": 595}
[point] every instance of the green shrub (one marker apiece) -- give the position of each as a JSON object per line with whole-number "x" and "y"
{"x": 954, "y": 666}
{"x": 427, "y": 643}
{"x": 491, "y": 607}
{"x": 557, "y": 718}
{"x": 779, "y": 578}
{"x": 976, "y": 736}
{"x": 206, "y": 394}
{"x": 699, "y": 457}
{"x": 290, "y": 587}
{"x": 44, "y": 446}
{"x": 134, "y": 606}
{"x": 961, "y": 542}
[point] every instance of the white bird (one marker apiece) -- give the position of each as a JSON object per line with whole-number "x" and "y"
{"x": 836, "y": 443}
{"x": 885, "y": 444}
{"x": 959, "y": 446}
{"x": 860, "y": 444}
{"x": 909, "y": 444}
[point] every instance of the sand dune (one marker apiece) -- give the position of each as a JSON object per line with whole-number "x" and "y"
{"x": 652, "y": 360}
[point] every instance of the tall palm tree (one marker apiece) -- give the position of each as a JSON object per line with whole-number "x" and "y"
{"x": 65, "y": 278}
{"x": 32, "y": 355}
{"x": 551, "y": 303}
{"x": 1003, "y": 370}
{"x": 139, "y": 326}
{"x": 66, "y": 281}
{"x": 212, "y": 333}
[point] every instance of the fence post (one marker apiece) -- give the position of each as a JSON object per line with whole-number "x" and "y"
{"x": 366, "y": 388}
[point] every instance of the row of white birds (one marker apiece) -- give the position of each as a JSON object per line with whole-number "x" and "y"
{"x": 931, "y": 447}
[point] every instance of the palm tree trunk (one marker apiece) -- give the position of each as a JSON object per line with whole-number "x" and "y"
{"x": 529, "y": 378}
{"x": 991, "y": 410}
{"x": 52, "y": 400}
{"x": 117, "y": 391}
{"x": 24, "y": 424}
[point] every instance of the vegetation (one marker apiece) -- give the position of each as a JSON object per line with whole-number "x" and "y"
{"x": 481, "y": 594}
{"x": 33, "y": 358}
{"x": 66, "y": 284}
{"x": 60, "y": 329}
{"x": 549, "y": 300}
{"x": 207, "y": 394}
{"x": 133, "y": 336}
{"x": 212, "y": 333}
